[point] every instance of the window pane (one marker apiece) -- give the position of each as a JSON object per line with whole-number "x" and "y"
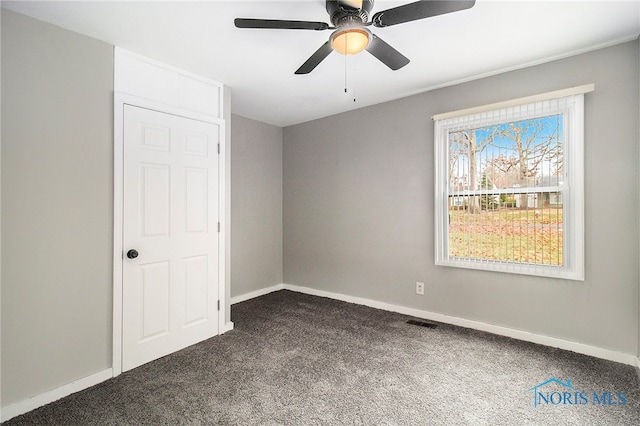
{"x": 505, "y": 192}
{"x": 532, "y": 236}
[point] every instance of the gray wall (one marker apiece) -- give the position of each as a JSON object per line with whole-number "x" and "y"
{"x": 358, "y": 207}
{"x": 256, "y": 205}
{"x": 57, "y": 220}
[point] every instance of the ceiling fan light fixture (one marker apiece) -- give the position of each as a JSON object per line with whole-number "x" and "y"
{"x": 356, "y": 4}
{"x": 349, "y": 41}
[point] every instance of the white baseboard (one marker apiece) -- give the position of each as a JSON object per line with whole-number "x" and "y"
{"x": 495, "y": 329}
{"x": 254, "y": 294}
{"x": 36, "y": 401}
{"x": 226, "y": 327}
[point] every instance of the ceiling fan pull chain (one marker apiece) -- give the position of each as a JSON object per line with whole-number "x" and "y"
{"x": 345, "y": 68}
{"x": 354, "y": 84}
{"x": 346, "y": 79}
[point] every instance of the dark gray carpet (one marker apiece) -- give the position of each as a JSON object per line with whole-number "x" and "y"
{"x": 295, "y": 359}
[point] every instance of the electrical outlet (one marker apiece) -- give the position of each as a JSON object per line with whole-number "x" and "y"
{"x": 420, "y": 288}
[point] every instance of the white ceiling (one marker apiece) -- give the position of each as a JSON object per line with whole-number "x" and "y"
{"x": 258, "y": 65}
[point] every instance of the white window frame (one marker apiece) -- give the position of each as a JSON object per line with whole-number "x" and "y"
{"x": 570, "y": 103}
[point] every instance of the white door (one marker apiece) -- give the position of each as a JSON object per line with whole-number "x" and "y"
{"x": 170, "y": 234}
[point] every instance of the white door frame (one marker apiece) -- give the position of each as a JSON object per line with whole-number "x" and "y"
{"x": 120, "y": 100}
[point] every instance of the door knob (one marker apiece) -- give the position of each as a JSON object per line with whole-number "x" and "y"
{"x": 132, "y": 254}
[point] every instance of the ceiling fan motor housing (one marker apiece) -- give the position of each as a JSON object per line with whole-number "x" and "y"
{"x": 342, "y": 14}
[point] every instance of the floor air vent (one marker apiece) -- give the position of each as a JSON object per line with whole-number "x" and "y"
{"x": 422, "y": 323}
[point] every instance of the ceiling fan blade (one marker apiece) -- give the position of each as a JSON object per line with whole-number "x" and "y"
{"x": 279, "y": 24}
{"x": 386, "y": 54}
{"x": 315, "y": 59}
{"x": 418, "y": 10}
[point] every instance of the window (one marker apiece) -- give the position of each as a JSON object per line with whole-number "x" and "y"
{"x": 509, "y": 186}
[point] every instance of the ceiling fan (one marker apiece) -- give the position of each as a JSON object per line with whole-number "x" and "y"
{"x": 350, "y": 19}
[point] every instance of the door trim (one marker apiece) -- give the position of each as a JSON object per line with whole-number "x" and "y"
{"x": 120, "y": 100}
